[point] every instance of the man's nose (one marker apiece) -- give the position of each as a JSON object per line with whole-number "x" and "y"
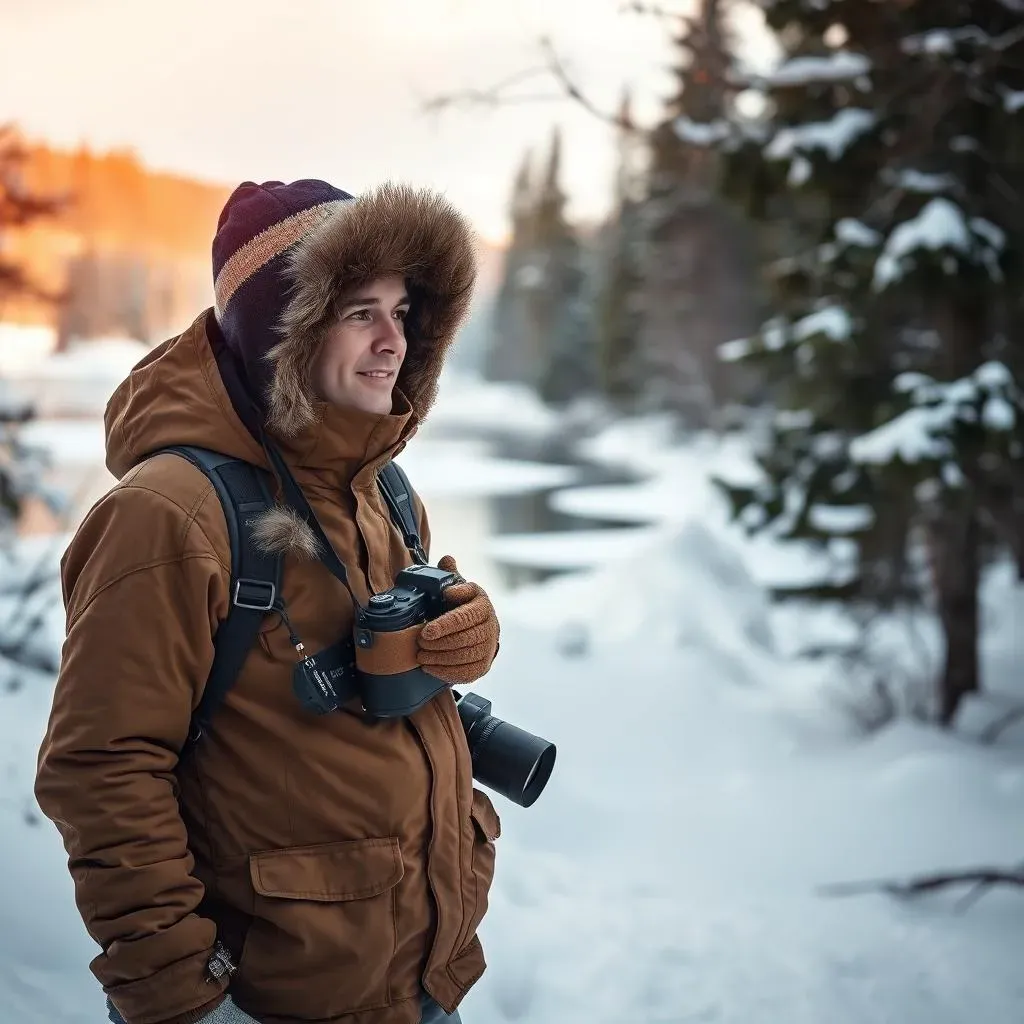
{"x": 390, "y": 336}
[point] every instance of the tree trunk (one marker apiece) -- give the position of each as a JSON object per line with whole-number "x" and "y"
{"x": 957, "y": 580}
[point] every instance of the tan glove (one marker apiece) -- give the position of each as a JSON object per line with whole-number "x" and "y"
{"x": 459, "y": 645}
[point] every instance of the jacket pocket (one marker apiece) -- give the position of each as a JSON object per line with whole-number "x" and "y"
{"x": 323, "y": 933}
{"x": 486, "y": 829}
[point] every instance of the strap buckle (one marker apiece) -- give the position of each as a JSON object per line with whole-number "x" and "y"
{"x": 256, "y": 595}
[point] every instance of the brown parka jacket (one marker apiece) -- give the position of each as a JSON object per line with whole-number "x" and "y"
{"x": 344, "y": 864}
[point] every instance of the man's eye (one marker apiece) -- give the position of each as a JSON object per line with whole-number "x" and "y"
{"x": 401, "y": 314}
{"x": 360, "y": 314}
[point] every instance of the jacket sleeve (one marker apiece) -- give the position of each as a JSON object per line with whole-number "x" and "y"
{"x": 143, "y": 589}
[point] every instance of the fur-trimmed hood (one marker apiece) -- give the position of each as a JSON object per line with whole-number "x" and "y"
{"x": 393, "y": 230}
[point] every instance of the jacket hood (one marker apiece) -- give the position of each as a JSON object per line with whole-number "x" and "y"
{"x": 394, "y": 230}
{"x": 176, "y": 395}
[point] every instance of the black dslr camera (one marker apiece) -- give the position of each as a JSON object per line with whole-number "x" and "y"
{"x": 379, "y": 665}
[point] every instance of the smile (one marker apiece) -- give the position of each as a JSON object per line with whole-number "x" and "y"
{"x": 377, "y": 374}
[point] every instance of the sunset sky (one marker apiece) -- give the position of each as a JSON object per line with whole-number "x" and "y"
{"x": 235, "y": 89}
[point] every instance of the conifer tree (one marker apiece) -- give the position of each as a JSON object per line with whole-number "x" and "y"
{"x": 699, "y": 289}
{"x": 619, "y": 304}
{"x": 896, "y": 131}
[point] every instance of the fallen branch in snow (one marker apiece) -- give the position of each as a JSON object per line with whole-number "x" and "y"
{"x": 980, "y": 880}
{"x": 992, "y": 732}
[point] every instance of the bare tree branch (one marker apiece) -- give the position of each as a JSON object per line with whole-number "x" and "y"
{"x": 497, "y": 95}
{"x": 651, "y": 10}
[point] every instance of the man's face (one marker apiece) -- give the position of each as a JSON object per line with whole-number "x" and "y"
{"x": 358, "y": 363}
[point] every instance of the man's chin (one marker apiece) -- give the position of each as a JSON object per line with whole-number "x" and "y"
{"x": 379, "y": 404}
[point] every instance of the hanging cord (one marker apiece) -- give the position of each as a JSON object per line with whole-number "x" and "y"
{"x": 294, "y": 497}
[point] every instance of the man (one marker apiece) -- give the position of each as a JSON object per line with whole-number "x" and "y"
{"x": 285, "y": 867}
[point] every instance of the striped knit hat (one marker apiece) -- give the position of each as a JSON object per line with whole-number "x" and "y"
{"x": 256, "y": 228}
{"x": 285, "y": 254}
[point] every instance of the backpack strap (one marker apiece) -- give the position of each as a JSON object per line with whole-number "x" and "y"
{"x": 397, "y": 492}
{"x": 245, "y": 491}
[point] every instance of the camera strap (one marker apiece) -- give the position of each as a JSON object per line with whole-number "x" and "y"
{"x": 297, "y": 500}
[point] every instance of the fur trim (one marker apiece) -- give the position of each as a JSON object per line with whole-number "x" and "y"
{"x": 416, "y": 234}
{"x": 280, "y": 530}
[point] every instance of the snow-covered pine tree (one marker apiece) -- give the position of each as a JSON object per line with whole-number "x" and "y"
{"x": 896, "y": 135}
{"x": 699, "y": 280}
{"x": 513, "y": 353}
{"x": 561, "y": 302}
{"x": 620, "y": 273}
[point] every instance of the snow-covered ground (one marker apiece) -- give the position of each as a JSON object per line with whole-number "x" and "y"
{"x": 707, "y": 784}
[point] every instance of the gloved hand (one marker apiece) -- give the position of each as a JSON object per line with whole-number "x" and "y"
{"x": 460, "y": 644}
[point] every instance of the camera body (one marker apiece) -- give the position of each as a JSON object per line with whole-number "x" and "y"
{"x": 386, "y": 635}
{"x": 379, "y": 666}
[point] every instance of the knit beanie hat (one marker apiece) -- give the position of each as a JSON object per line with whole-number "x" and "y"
{"x": 256, "y": 228}
{"x": 284, "y": 254}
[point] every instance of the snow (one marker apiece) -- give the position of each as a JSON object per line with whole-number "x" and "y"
{"x": 998, "y": 414}
{"x": 446, "y": 469}
{"x": 708, "y": 783}
{"x": 924, "y": 431}
{"x": 939, "y": 225}
{"x": 702, "y": 133}
{"x": 470, "y": 405}
{"x": 1013, "y": 100}
{"x": 841, "y": 518}
{"x": 74, "y": 383}
{"x": 911, "y": 437}
{"x": 24, "y": 345}
{"x": 994, "y": 235}
{"x": 833, "y": 136}
{"x": 837, "y": 67}
{"x": 576, "y": 549}
{"x": 851, "y": 231}
{"x": 833, "y": 322}
{"x": 921, "y": 181}
{"x": 941, "y": 40}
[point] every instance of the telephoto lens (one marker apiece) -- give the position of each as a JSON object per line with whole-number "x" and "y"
{"x": 507, "y": 759}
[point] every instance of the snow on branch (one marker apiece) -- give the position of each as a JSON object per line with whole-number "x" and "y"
{"x": 702, "y": 133}
{"x": 832, "y": 322}
{"x": 1013, "y": 100}
{"x": 841, "y": 66}
{"x": 944, "y": 41}
{"x": 833, "y": 136}
{"x": 921, "y": 181}
{"x": 925, "y": 431}
{"x": 940, "y": 224}
{"x": 851, "y": 231}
